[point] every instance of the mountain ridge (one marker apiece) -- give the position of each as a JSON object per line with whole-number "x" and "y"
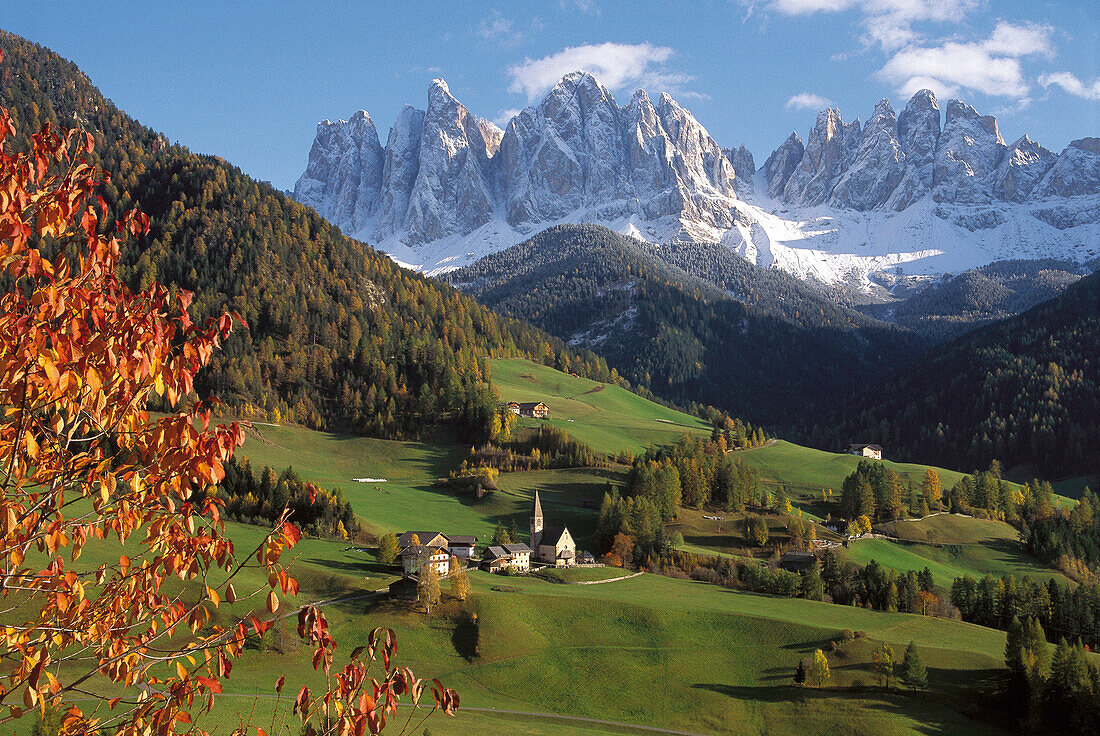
{"x": 902, "y": 193}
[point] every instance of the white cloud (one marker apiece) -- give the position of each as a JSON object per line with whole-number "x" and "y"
{"x": 498, "y": 29}
{"x": 503, "y": 116}
{"x": 584, "y": 6}
{"x": 888, "y": 23}
{"x": 991, "y": 66}
{"x": 616, "y": 65}
{"x": 1070, "y": 83}
{"x": 808, "y": 101}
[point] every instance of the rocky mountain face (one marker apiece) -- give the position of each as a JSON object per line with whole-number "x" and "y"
{"x": 920, "y": 192}
{"x": 446, "y": 172}
{"x": 894, "y": 161}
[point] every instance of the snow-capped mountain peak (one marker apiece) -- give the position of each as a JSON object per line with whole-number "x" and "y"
{"x": 910, "y": 191}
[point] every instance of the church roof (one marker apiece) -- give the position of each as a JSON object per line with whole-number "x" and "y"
{"x": 551, "y": 535}
{"x": 538, "y": 505}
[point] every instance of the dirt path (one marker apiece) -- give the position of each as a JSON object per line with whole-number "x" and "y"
{"x": 609, "y": 580}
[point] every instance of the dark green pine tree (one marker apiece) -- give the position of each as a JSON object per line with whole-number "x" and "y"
{"x": 913, "y": 672}
{"x": 813, "y": 587}
{"x": 800, "y": 673}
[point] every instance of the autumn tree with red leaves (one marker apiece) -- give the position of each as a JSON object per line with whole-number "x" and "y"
{"x": 82, "y": 463}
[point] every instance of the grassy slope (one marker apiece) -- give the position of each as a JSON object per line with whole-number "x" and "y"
{"x": 665, "y": 653}
{"x": 952, "y": 546}
{"x": 409, "y": 498}
{"x": 607, "y": 418}
{"x": 807, "y": 470}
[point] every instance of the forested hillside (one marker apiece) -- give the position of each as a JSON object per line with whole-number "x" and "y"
{"x": 754, "y": 342}
{"x": 950, "y": 308}
{"x": 338, "y": 335}
{"x": 1025, "y": 391}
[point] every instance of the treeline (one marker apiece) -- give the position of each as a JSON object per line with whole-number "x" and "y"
{"x": 546, "y": 446}
{"x": 1027, "y": 388}
{"x": 1053, "y": 535}
{"x": 876, "y": 491}
{"x": 830, "y": 579}
{"x": 1044, "y": 694}
{"x": 338, "y": 335}
{"x": 697, "y": 472}
{"x": 1073, "y": 613}
{"x": 261, "y": 500}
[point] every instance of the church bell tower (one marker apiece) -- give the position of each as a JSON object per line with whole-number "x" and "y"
{"x": 536, "y": 525}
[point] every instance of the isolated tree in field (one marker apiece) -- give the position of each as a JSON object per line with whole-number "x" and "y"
{"x": 800, "y": 673}
{"x": 931, "y": 488}
{"x": 912, "y": 671}
{"x": 387, "y": 548}
{"x": 883, "y": 659}
{"x": 819, "y": 669}
{"x": 85, "y": 466}
{"x": 427, "y": 589}
{"x": 460, "y": 585}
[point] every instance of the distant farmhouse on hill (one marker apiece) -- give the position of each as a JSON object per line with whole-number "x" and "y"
{"x": 872, "y": 451}
{"x": 535, "y": 409}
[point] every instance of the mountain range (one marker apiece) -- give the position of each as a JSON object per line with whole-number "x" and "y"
{"x": 341, "y": 337}
{"x": 917, "y": 193}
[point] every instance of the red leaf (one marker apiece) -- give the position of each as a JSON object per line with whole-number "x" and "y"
{"x": 279, "y": 684}
{"x": 212, "y": 685}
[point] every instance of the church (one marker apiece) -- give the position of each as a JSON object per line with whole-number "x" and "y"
{"x": 551, "y": 545}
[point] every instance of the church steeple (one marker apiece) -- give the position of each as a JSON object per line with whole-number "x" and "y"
{"x": 536, "y": 524}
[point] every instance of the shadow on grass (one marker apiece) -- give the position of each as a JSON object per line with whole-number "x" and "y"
{"x": 931, "y": 713}
{"x": 354, "y": 567}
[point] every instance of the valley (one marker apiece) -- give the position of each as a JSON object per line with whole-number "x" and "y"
{"x": 613, "y": 430}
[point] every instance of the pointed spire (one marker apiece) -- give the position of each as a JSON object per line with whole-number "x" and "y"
{"x": 538, "y": 505}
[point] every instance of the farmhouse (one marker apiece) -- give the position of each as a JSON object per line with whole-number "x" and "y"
{"x": 535, "y": 409}
{"x": 405, "y": 589}
{"x": 796, "y": 561}
{"x": 552, "y": 545}
{"x": 459, "y": 545}
{"x": 515, "y": 557}
{"x": 513, "y": 407}
{"x": 872, "y": 451}
{"x": 415, "y": 556}
{"x": 428, "y": 539}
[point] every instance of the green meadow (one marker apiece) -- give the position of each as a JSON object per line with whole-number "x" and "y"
{"x": 952, "y": 546}
{"x": 607, "y": 418}
{"x": 658, "y": 652}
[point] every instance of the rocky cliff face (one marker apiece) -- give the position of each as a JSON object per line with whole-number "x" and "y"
{"x": 445, "y": 172}
{"x": 902, "y": 193}
{"x": 896, "y": 163}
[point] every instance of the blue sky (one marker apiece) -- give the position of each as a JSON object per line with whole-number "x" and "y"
{"x": 249, "y": 81}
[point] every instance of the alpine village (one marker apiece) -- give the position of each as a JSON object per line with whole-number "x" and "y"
{"x": 563, "y": 413}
